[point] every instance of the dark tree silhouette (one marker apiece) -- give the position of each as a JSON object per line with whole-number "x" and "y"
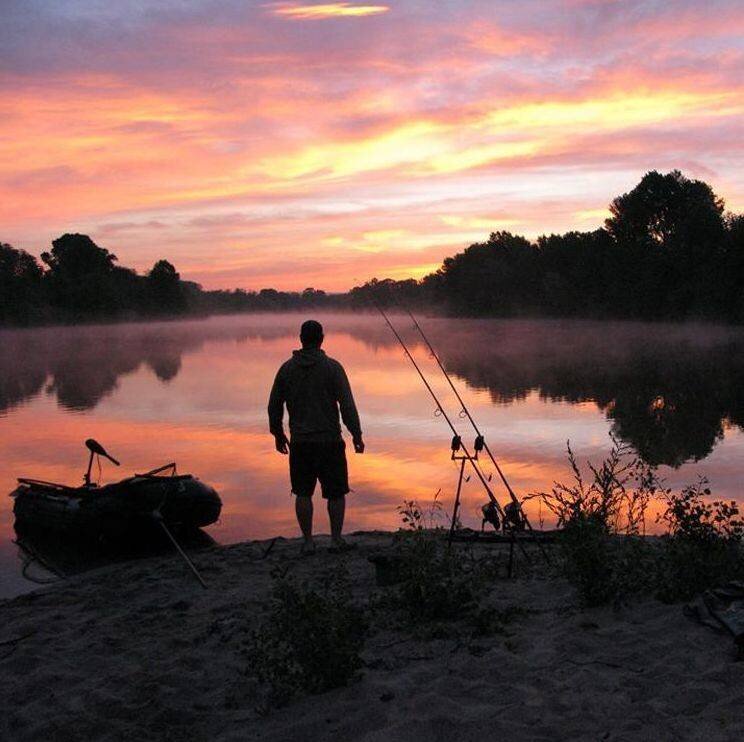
{"x": 80, "y": 276}
{"x": 166, "y": 291}
{"x": 498, "y": 277}
{"x": 667, "y": 252}
{"x": 76, "y": 256}
{"x": 579, "y": 273}
{"x": 668, "y": 211}
{"x": 672, "y": 229}
{"x": 20, "y": 286}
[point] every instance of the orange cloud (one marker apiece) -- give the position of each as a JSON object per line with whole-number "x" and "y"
{"x": 355, "y": 150}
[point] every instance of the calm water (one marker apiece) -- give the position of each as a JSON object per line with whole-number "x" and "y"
{"x": 195, "y": 392}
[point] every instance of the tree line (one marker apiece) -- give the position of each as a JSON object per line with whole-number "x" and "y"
{"x": 79, "y": 281}
{"x": 668, "y": 251}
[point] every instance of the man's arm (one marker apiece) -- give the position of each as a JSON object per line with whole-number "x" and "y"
{"x": 276, "y": 413}
{"x": 348, "y": 409}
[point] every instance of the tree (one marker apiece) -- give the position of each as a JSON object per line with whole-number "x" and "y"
{"x": 672, "y": 231}
{"x": 578, "y": 272}
{"x": 20, "y": 285}
{"x": 497, "y": 277}
{"x": 80, "y": 277}
{"x": 167, "y": 295}
{"x": 731, "y": 288}
{"x": 164, "y": 273}
{"x": 77, "y": 257}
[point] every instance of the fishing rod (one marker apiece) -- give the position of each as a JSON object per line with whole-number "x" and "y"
{"x": 515, "y": 500}
{"x": 441, "y": 410}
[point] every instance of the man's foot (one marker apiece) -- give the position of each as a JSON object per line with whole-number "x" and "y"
{"x": 307, "y": 548}
{"x": 339, "y": 545}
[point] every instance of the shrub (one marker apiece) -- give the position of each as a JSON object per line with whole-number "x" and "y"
{"x": 703, "y": 546}
{"x": 310, "y": 638}
{"x": 601, "y": 521}
{"x": 616, "y": 498}
{"x": 438, "y": 582}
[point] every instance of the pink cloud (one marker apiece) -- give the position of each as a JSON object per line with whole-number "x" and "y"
{"x": 252, "y": 135}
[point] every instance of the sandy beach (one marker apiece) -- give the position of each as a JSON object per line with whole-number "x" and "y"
{"x": 139, "y": 651}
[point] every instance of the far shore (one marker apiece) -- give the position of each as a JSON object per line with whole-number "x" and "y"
{"x": 140, "y": 650}
{"x": 429, "y": 312}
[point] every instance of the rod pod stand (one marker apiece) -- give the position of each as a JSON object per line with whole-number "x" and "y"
{"x": 480, "y": 442}
{"x": 473, "y": 461}
{"x": 459, "y": 454}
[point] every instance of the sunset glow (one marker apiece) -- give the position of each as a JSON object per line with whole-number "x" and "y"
{"x": 326, "y": 10}
{"x": 352, "y": 139}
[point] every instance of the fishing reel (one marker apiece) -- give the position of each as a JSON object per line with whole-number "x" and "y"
{"x": 490, "y": 515}
{"x": 456, "y": 446}
{"x": 514, "y": 518}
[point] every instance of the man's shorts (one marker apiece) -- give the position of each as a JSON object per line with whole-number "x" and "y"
{"x": 310, "y": 461}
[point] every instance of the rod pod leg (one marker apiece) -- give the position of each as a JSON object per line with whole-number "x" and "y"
{"x": 511, "y": 555}
{"x": 456, "y": 508}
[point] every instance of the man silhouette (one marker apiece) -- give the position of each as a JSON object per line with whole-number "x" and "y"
{"x": 314, "y": 388}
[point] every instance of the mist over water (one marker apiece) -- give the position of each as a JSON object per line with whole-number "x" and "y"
{"x": 196, "y": 392}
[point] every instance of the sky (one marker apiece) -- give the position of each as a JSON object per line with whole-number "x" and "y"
{"x": 297, "y": 144}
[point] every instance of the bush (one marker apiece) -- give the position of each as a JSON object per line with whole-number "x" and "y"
{"x": 309, "y": 640}
{"x": 602, "y": 521}
{"x": 703, "y": 544}
{"x": 437, "y": 581}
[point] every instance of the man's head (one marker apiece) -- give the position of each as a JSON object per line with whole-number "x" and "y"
{"x": 311, "y": 334}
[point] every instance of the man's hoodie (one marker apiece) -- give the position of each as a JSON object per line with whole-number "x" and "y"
{"x": 314, "y": 388}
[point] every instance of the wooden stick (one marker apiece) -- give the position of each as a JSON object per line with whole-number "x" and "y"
{"x": 159, "y": 518}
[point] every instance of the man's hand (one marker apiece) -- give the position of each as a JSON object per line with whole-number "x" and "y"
{"x": 358, "y": 445}
{"x": 282, "y": 444}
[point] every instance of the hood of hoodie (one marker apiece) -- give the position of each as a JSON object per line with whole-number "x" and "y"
{"x": 308, "y": 356}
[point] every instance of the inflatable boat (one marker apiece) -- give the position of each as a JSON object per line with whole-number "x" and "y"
{"x": 136, "y": 504}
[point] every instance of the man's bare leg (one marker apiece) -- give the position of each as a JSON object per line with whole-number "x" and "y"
{"x": 336, "y": 510}
{"x": 304, "y": 512}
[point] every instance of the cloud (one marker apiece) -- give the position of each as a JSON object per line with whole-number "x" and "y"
{"x": 352, "y": 149}
{"x": 324, "y": 11}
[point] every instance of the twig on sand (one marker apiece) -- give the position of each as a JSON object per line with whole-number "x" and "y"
{"x": 415, "y": 657}
{"x": 13, "y": 643}
{"x": 16, "y": 639}
{"x": 613, "y": 665}
{"x": 268, "y": 549}
{"x": 392, "y": 644}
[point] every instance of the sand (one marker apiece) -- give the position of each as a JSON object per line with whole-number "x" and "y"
{"x": 139, "y": 651}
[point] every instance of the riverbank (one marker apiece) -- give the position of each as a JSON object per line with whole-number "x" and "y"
{"x": 141, "y": 651}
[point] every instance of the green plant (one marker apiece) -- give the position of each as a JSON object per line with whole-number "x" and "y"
{"x": 614, "y": 500}
{"x": 309, "y": 639}
{"x": 417, "y": 518}
{"x": 703, "y": 547}
{"x": 601, "y": 521}
{"x": 438, "y": 582}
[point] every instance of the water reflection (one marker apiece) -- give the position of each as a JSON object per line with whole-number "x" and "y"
{"x": 668, "y": 390}
{"x": 196, "y": 392}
